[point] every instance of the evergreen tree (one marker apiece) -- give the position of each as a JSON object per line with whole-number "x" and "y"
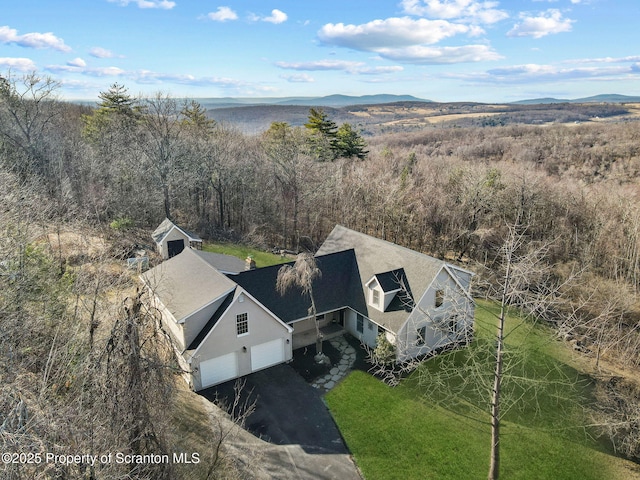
{"x": 116, "y": 109}
{"x": 195, "y": 115}
{"x": 323, "y": 135}
{"x": 350, "y": 143}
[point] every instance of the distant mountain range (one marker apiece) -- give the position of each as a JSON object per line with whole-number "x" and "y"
{"x": 338, "y": 101}
{"x": 327, "y": 101}
{"x": 605, "y": 98}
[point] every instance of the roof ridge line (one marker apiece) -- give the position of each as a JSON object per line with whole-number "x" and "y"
{"x": 409, "y": 250}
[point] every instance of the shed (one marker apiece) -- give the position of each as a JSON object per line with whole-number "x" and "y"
{"x": 171, "y": 239}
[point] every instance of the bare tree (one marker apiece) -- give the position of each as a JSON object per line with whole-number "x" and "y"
{"x": 302, "y": 274}
{"x": 162, "y": 142}
{"x": 28, "y": 109}
{"x": 138, "y": 359}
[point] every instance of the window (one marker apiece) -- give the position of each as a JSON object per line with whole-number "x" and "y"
{"x": 375, "y": 298}
{"x": 421, "y": 336}
{"x": 242, "y": 324}
{"x": 360, "y": 323}
{"x": 370, "y": 325}
{"x": 439, "y": 298}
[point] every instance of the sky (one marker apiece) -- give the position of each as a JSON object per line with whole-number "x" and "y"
{"x": 440, "y": 50}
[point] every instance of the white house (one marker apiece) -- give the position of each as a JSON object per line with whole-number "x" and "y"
{"x": 228, "y": 325}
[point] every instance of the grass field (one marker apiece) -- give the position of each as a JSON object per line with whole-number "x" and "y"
{"x": 416, "y": 431}
{"x": 262, "y": 259}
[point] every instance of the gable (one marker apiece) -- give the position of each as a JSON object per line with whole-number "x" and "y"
{"x": 161, "y": 233}
{"x": 220, "y": 333}
{"x": 375, "y": 256}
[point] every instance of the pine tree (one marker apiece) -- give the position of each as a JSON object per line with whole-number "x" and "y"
{"x": 349, "y": 143}
{"x": 323, "y": 135}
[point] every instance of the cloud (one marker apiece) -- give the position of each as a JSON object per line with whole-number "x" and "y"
{"x": 379, "y": 70}
{"x": 298, "y": 78}
{"x": 358, "y": 68}
{"x": 77, "y": 62}
{"x": 422, "y": 55}
{"x": 546, "y": 23}
{"x": 147, "y": 76}
{"x": 535, "y": 73}
{"x": 32, "y": 40}
{"x": 465, "y": 10}
{"x": 276, "y": 17}
{"x": 408, "y": 40}
{"x": 20, "y": 64}
{"x": 150, "y": 77}
{"x": 91, "y": 72}
{"x": 631, "y": 58}
{"x": 320, "y": 65}
{"x": 100, "y": 52}
{"x": 222, "y": 14}
{"x": 390, "y": 33}
{"x": 162, "y": 4}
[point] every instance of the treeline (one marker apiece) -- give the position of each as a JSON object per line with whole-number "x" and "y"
{"x": 449, "y": 192}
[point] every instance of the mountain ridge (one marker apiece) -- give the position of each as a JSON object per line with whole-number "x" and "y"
{"x": 602, "y": 98}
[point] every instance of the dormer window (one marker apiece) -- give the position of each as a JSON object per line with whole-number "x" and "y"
{"x": 439, "y": 298}
{"x": 375, "y": 298}
{"x": 383, "y": 287}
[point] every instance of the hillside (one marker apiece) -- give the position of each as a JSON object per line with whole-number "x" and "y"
{"x": 407, "y": 116}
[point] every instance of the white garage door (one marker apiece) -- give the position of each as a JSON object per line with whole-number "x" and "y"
{"x": 267, "y": 354}
{"x": 218, "y": 370}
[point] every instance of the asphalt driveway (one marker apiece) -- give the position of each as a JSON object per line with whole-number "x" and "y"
{"x": 298, "y": 437}
{"x": 287, "y": 410}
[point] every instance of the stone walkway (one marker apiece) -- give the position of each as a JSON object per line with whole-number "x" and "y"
{"x": 339, "y": 371}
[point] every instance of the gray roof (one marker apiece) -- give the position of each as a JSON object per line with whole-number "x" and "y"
{"x": 337, "y": 287}
{"x": 222, "y": 262}
{"x": 390, "y": 281}
{"x": 165, "y": 227}
{"x": 185, "y": 283}
{"x": 375, "y": 257}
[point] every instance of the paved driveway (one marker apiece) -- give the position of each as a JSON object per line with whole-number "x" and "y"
{"x": 290, "y": 412}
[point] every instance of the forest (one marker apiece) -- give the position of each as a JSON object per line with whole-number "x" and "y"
{"x": 568, "y": 180}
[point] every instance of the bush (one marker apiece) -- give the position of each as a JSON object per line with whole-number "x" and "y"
{"x": 122, "y": 223}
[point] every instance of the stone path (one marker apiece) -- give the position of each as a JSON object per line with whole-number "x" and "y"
{"x": 339, "y": 371}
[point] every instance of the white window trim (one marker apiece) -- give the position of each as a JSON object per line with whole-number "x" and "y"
{"x": 247, "y": 322}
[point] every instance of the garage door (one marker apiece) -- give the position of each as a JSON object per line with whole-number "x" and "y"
{"x": 218, "y": 370}
{"x": 174, "y": 247}
{"x": 267, "y": 354}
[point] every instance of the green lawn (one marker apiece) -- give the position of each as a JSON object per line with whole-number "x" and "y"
{"x": 262, "y": 259}
{"x": 414, "y": 431}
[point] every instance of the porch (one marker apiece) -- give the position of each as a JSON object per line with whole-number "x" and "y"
{"x": 308, "y": 337}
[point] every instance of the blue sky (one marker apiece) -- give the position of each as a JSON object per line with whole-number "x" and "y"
{"x": 442, "y": 50}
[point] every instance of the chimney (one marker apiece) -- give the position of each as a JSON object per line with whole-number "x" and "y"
{"x": 249, "y": 263}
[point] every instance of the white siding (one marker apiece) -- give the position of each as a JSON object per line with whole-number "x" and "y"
{"x": 223, "y": 338}
{"x": 435, "y": 319}
{"x": 174, "y": 234}
{"x": 195, "y": 322}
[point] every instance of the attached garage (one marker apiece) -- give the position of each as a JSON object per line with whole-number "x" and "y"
{"x": 267, "y": 354}
{"x": 218, "y": 370}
